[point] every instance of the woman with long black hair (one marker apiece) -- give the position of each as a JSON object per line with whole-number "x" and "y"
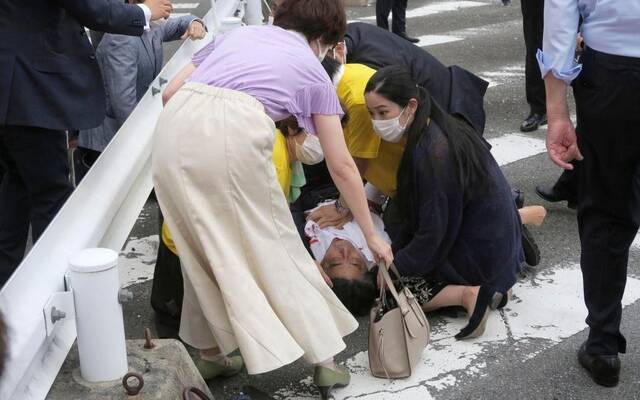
{"x": 453, "y": 220}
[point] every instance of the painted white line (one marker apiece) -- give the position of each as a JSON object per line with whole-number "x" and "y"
{"x": 506, "y": 74}
{"x": 548, "y": 309}
{"x": 137, "y": 260}
{"x": 437, "y": 8}
{"x": 178, "y": 6}
{"x": 509, "y": 148}
{"x": 432, "y": 40}
{"x": 178, "y": 15}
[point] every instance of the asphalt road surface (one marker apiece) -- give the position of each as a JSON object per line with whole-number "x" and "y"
{"x": 529, "y": 349}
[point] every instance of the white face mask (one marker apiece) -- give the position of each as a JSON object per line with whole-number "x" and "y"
{"x": 389, "y": 130}
{"x": 310, "y": 151}
{"x": 322, "y": 50}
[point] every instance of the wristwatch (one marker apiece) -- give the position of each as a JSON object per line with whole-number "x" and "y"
{"x": 339, "y": 207}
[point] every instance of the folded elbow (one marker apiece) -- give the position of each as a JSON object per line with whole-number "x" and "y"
{"x": 344, "y": 171}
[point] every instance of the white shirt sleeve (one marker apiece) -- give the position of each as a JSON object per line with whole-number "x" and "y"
{"x": 559, "y": 40}
{"x": 147, "y": 15}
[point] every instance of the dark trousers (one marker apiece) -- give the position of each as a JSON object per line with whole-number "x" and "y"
{"x": 399, "y": 7}
{"x": 34, "y": 187}
{"x": 83, "y": 160}
{"x": 167, "y": 290}
{"x": 607, "y": 97}
{"x": 567, "y": 183}
{"x": 532, "y": 23}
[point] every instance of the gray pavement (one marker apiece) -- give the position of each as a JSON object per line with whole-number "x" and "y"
{"x": 529, "y": 349}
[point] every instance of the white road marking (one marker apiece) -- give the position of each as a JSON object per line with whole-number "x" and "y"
{"x": 137, "y": 260}
{"x": 510, "y": 148}
{"x": 437, "y": 8}
{"x": 178, "y": 6}
{"x": 432, "y": 40}
{"x": 504, "y": 75}
{"x": 547, "y": 309}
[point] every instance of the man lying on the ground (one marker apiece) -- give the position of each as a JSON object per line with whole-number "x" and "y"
{"x": 349, "y": 267}
{"x": 344, "y": 259}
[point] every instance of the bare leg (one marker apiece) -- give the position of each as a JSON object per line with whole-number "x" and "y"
{"x": 213, "y": 363}
{"x": 213, "y": 354}
{"x": 532, "y": 215}
{"x": 454, "y": 295}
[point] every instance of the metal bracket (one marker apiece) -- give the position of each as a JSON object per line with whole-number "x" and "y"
{"x": 59, "y": 308}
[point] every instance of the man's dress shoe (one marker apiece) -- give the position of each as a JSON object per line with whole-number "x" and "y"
{"x": 604, "y": 369}
{"x": 530, "y": 248}
{"x": 533, "y": 122}
{"x": 553, "y": 196}
{"x": 407, "y": 37}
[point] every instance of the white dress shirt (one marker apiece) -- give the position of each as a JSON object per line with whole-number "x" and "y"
{"x": 147, "y": 15}
{"x": 609, "y": 26}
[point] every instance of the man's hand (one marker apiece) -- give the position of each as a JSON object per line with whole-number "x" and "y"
{"x": 159, "y": 8}
{"x": 327, "y": 215}
{"x": 562, "y": 143}
{"x": 195, "y": 31}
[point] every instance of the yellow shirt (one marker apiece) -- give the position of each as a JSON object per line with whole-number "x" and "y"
{"x": 283, "y": 171}
{"x": 281, "y": 162}
{"x": 362, "y": 141}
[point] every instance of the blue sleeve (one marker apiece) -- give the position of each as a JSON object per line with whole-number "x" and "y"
{"x": 561, "y": 18}
{"x": 110, "y": 16}
{"x": 439, "y": 202}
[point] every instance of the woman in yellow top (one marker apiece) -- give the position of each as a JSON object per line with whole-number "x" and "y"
{"x": 378, "y": 160}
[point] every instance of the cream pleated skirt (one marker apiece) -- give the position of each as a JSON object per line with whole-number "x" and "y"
{"x": 249, "y": 282}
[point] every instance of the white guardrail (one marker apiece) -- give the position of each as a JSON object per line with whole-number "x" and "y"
{"x": 100, "y": 213}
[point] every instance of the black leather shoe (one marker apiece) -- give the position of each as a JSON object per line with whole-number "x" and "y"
{"x": 604, "y": 370}
{"x": 506, "y": 2}
{"x": 407, "y": 37}
{"x": 533, "y": 122}
{"x": 553, "y": 196}
{"x": 530, "y": 248}
{"x": 518, "y": 197}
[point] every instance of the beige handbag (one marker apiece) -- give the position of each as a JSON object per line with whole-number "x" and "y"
{"x": 398, "y": 333}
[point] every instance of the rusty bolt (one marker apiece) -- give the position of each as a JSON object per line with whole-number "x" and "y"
{"x": 186, "y": 394}
{"x": 148, "y": 344}
{"x": 132, "y": 390}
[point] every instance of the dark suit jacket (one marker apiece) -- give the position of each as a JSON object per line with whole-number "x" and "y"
{"x": 455, "y": 89}
{"x": 129, "y": 65}
{"x": 49, "y": 76}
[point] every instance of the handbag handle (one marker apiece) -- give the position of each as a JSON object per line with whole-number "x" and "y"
{"x": 389, "y": 282}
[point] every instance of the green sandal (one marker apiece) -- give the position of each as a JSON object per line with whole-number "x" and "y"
{"x": 210, "y": 369}
{"x": 327, "y": 378}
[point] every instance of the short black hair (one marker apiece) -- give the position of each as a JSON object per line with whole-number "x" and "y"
{"x": 357, "y": 295}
